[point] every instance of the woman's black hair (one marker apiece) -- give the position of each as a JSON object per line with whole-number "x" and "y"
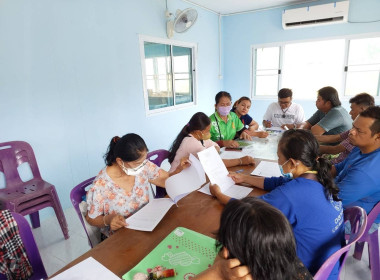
{"x": 128, "y": 148}
{"x": 221, "y": 94}
{"x": 303, "y": 146}
{"x": 243, "y": 98}
{"x": 199, "y": 121}
{"x": 260, "y": 236}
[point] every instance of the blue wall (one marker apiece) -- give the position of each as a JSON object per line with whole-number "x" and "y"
{"x": 70, "y": 74}
{"x": 242, "y": 31}
{"x": 70, "y": 79}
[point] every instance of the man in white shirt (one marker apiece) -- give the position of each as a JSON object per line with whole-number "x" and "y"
{"x": 284, "y": 111}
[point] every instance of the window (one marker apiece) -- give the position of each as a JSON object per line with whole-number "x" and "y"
{"x": 168, "y": 74}
{"x": 267, "y": 65}
{"x": 351, "y": 66}
{"x": 363, "y": 67}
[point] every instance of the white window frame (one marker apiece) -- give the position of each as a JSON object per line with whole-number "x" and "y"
{"x": 342, "y": 88}
{"x": 194, "y": 47}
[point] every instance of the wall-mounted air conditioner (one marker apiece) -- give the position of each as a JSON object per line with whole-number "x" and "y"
{"x": 336, "y": 12}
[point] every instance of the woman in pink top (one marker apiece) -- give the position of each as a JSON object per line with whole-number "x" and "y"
{"x": 195, "y": 137}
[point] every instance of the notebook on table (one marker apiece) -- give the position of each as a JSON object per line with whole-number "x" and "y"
{"x": 186, "y": 251}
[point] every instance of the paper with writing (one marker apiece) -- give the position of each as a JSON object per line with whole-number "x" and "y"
{"x": 177, "y": 187}
{"x": 234, "y": 191}
{"x": 267, "y": 169}
{"x": 148, "y": 217}
{"x": 183, "y": 183}
{"x": 215, "y": 168}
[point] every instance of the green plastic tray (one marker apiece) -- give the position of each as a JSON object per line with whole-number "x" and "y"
{"x": 187, "y": 251}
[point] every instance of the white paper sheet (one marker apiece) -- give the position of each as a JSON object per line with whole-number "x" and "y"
{"x": 267, "y": 169}
{"x": 231, "y": 154}
{"x": 234, "y": 191}
{"x": 147, "y": 218}
{"x": 275, "y": 129}
{"x": 88, "y": 269}
{"x": 177, "y": 187}
{"x": 215, "y": 169}
{"x": 237, "y": 191}
{"x": 183, "y": 183}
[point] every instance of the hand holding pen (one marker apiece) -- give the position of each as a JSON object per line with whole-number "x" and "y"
{"x": 267, "y": 123}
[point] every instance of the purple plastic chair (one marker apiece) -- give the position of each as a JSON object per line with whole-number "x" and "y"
{"x": 27, "y": 198}
{"x": 373, "y": 244}
{"x": 357, "y": 218}
{"x": 157, "y": 157}
{"x": 76, "y": 196}
{"x": 31, "y": 249}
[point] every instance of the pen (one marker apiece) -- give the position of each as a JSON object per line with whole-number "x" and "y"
{"x": 270, "y": 123}
{"x": 286, "y": 128}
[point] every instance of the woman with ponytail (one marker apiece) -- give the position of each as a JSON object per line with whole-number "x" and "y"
{"x": 122, "y": 187}
{"x": 241, "y": 108}
{"x": 195, "y": 137}
{"x": 306, "y": 194}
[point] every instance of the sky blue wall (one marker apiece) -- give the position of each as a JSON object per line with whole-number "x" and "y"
{"x": 70, "y": 74}
{"x": 70, "y": 79}
{"x": 240, "y": 32}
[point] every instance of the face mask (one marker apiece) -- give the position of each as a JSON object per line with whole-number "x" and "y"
{"x": 224, "y": 110}
{"x": 134, "y": 171}
{"x": 288, "y": 175}
{"x": 206, "y": 136}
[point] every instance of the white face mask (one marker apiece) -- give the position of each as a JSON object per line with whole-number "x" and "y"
{"x": 134, "y": 171}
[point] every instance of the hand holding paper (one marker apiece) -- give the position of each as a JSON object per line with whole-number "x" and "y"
{"x": 177, "y": 187}
{"x": 218, "y": 174}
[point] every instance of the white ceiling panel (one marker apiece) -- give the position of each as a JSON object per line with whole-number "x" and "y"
{"x": 226, "y": 7}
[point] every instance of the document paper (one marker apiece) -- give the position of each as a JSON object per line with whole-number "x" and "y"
{"x": 218, "y": 174}
{"x": 148, "y": 217}
{"x": 177, "y": 187}
{"x": 88, "y": 269}
{"x": 235, "y": 191}
{"x": 267, "y": 169}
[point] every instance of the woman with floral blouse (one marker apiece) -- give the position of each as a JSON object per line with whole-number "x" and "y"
{"x": 122, "y": 187}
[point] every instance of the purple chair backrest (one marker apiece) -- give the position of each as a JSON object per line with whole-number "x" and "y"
{"x": 357, "y": 218}
{"x": 31, "y": 249}
{"x": 371, "y": 219}
{"x": 157, "y": 157}
{"x": 76, "y": 197}
{"x": 13, "y": 154}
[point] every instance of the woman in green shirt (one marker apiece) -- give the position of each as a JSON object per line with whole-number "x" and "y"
{"x": 225, "y": 125}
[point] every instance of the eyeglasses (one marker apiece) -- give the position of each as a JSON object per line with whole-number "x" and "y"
{"x": 140, "y": 166}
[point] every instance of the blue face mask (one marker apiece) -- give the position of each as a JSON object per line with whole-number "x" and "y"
{"x": 288, "y": 175}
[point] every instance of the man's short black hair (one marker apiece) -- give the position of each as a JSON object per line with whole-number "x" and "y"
{"x": 285, "y": 93}
{"x": 363, "y": 99}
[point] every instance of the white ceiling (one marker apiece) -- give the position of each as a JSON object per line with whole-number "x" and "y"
{"x": 226, "y": 7}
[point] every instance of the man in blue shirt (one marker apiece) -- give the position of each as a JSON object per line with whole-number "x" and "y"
{"x": 358, "y": 176}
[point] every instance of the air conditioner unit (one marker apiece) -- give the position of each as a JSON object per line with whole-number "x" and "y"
{"x": 336, "y": 12}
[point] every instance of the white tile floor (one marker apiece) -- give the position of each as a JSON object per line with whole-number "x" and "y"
{"x": 56, "y": 252}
